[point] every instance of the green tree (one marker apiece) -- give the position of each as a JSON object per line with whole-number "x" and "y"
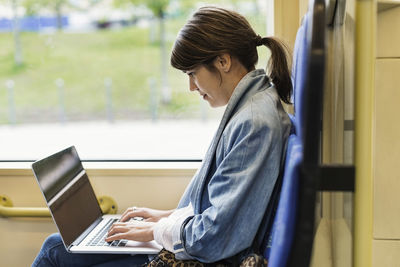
{"x": 18, "y": 59}
{"x": 158, "y": 8}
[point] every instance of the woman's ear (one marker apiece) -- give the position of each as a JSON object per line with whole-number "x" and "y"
{"x": 223, "y": 62}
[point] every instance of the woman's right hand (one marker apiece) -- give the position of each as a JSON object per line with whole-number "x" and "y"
{"x": 148, "y": 215}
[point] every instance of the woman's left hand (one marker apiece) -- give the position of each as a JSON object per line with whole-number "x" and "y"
{"x": 133, "y": 230}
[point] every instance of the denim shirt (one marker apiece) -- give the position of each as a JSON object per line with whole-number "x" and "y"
{"x": 231, "y": 190}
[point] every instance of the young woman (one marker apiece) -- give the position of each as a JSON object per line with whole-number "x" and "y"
{"x": 221, "y": 210}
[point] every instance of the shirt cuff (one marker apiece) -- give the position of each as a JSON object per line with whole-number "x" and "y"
{"x": 164, "y": 228}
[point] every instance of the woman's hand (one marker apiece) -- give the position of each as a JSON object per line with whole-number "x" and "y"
{"x": 148, "y": 215}
{"x": 137, "y": 230}
{"x": 133, "y": 230}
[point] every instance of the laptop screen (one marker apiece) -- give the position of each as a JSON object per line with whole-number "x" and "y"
{"x": 68, "y": 193}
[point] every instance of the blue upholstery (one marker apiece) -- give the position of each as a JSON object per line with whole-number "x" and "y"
{"x": 299, "y": 74}
{"x": 285, "y": 218}
{"x": 283, "y": 228}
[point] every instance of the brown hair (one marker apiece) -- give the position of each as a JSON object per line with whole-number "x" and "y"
{"x": 213, "y": 31}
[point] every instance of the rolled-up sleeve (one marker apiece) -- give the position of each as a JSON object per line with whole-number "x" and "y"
{"x": 164, "y": 228}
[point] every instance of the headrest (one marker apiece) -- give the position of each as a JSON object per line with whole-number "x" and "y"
{"x": 299, "y": 74}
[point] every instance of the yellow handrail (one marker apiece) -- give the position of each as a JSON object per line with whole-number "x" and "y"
{"x": 107, "y": 205}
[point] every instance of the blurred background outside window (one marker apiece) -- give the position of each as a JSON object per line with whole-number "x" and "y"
{"x": 96, "y": 74}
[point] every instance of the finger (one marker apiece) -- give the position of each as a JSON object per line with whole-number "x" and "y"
{"x": 117, "y": 229}
{"x": 132, "y": 214}
{"x": 130, "y": 225}
{"x": 127, "y": 216}
{"x": 151, "y": 219}
{"x": 116, "y": 237}
{"x": 133, "y": 234}
{"x": 127, "y": 211}
{"x": 115, "y": 225}
{"x": 119, "y": 224}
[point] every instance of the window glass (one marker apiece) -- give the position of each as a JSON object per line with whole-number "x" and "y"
{"x": 96, "y": 74}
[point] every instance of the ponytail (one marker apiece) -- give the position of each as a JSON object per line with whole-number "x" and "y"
{"x": 278, "y": 67}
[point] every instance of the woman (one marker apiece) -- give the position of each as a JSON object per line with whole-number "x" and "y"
{"x": 221, "y": 210}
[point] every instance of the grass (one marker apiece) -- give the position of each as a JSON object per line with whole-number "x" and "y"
{"x": 84, "y": 61}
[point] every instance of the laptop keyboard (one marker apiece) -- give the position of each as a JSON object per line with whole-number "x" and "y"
{"x": 98, "y": 239}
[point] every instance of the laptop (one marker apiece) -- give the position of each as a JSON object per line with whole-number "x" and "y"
{"x": 75, "y": 210}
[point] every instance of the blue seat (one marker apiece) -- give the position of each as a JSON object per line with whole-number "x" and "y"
{"x": 299, "y": 74}
{"x": 282, "y": 233}
{"x": 281, "y": 240}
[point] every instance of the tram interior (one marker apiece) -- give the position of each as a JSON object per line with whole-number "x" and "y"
{"x": 339, "y": 198}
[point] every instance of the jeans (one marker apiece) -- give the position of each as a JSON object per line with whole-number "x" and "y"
{"x": 53, "y": 253}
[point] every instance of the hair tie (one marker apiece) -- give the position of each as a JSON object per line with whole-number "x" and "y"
{"x": 258, "y": 40}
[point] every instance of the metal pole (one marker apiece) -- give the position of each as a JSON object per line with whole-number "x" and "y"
{"x": 11, "y": 102}
{"x": 17, "y": 42}
{"x": 166, "y": 91}
{"x": 109, "y": 104}
{"x": 153, "y": 99}
{"x": 61, "y": 100}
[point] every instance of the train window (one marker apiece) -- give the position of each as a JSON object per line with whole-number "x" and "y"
{"x": 96, "y": 74}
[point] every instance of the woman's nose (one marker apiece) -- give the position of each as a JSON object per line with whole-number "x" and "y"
{"x": 192, "y": 85}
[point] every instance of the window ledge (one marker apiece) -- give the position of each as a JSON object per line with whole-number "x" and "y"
{"x": 113, "y": 168}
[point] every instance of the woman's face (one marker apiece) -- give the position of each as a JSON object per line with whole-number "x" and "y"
{"x": 209, "y": 85}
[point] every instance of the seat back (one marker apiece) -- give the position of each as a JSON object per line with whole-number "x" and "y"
{"x": 281, "y": 237}
{"x": 281, "y": 240}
